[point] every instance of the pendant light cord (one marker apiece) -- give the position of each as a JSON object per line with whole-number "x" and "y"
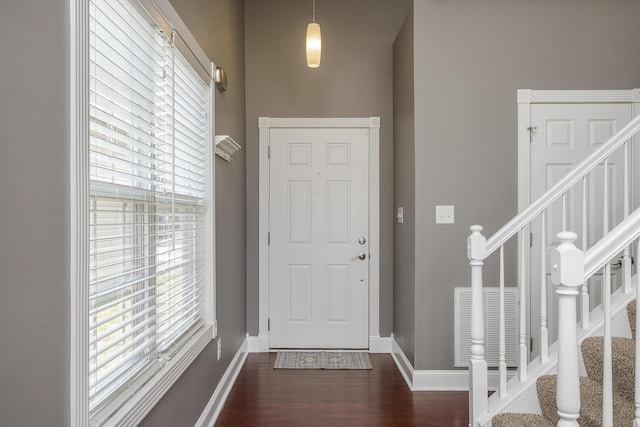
{"x": 313, "y": 19}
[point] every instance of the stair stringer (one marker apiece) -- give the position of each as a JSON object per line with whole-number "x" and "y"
{"x": 522, "y": 397}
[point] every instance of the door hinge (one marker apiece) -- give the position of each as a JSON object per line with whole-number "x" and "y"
{"x": 269, "y": 152}
{"x": 530, "y": 240}
{"x": 531, "y": 130}
{"x": 268, "y": 238}
{"x": 530, "y": 344}
{"x": 268, "y": 324}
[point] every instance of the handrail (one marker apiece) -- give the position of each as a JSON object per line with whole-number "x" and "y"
{"x": 611, "y": 244}
{"x": 507, "y": 231}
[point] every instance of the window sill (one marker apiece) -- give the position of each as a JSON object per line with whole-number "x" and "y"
{"x": 132, "y": 404}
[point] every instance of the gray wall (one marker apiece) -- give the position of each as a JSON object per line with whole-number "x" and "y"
{"x": 354, "y": 80}
{"x": 34, "y": 213}
{"x": 470, "y": 58}
{"x": 404, "y": 168}
{"x": 218, "y": 27}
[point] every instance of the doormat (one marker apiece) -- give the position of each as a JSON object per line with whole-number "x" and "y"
{"x": 322, "y": 360}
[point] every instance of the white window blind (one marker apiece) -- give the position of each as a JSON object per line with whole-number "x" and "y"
{"x": 148, "y": 197}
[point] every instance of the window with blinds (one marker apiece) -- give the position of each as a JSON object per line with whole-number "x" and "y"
{"x": 148, "y": 197}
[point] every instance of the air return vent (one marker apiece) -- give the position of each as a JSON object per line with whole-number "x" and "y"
{"x": 462, "y": 326}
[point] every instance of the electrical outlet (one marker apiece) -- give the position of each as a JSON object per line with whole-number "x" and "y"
{"x": 219, "y": 348}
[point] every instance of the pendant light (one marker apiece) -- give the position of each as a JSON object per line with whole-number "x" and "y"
{"x": 314, "y": 42}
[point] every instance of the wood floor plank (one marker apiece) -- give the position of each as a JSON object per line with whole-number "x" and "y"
{"x": 267, "y": 397}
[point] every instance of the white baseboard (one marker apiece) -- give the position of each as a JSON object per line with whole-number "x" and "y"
{"x": 259, "y": 344}
{"x": 378, "y": 344}
{"x": 440, "y": 380}
{"x": 444, "y": 380}
{"x": 212, "y": 410}
{"x": 403, "y": 364}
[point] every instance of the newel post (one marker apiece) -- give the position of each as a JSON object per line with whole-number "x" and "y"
{"x": 567, "y": 273}
{"x": 478, "y": 387}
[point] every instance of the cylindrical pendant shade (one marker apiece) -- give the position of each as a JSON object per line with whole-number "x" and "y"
{"x": 314, "y": 45}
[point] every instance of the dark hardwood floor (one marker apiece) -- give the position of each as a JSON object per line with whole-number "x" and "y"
{"x": 263, "y": 396}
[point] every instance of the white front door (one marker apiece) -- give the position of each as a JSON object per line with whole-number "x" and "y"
{"x": 319, "y": 232}
{"x": 562, "y": 136}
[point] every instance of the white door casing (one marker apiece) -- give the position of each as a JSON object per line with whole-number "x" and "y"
{"x": 319, "y": 225}
{"x": 529, "y": 102}
{"x": 371, "y": 125}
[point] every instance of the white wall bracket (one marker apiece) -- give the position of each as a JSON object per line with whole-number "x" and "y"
{"x": 226, "y": 146}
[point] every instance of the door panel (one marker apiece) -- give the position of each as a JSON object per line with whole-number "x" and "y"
{"x": 299, "y": 202}
{"x": 299, "y": 286}
{"x": 319, "y": 201}
{"x": 338, "y": 207}
{"x": 338, "y": 284}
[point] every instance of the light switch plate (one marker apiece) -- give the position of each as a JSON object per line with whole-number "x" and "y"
{"x": 445, "y": 215}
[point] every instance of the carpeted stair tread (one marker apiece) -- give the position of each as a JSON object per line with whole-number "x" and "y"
{"x": 520, "y": 420}
{"x": 623, "y": 357}
{"x": 631, "y": 315}
{"x": 590, "y": 403}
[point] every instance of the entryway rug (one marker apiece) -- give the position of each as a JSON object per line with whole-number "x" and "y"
{"x": 322, "y": 360}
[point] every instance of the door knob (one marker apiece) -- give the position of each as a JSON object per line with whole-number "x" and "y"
{"x": 362, "y": 256}
{"x": 618, "y": 264}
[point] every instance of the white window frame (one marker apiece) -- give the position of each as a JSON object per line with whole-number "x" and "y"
{"x": 132, "y": 406}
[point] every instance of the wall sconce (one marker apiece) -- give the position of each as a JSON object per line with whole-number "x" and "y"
{"x": 314, "y": 41}
{"x": 220, "y": 78}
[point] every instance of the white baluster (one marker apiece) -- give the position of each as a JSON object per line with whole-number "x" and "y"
{"x": 607, "y": 364}
{"x": 476, "y": 252}
{"x": 605, "y": 198}
{"x": 625, "y": 182}
{"x": 564, "y": 212}
{"x": 584, "y": 294}
{"x": 607, "y": 367}
{"x": 626, "y": 256}
{"x": 544, "y": 331}
{"x": 567, "y": 273}
{"x": 502, "y": 363}
{"x": 524, "y": 349}
{"x": 636, "y": 421}
{"x": 626, "y": 270}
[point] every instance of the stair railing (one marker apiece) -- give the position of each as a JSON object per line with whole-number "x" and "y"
{"x": 570, "y": 268}
{"x": 597, "y": 258}
{"x": 479, "y": 249}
